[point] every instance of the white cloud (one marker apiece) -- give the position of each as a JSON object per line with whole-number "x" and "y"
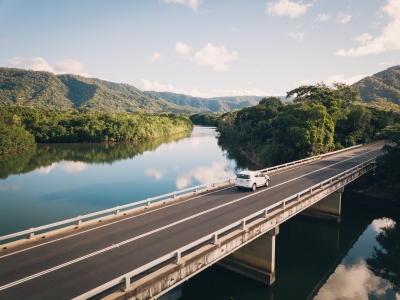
{"x": 216, "y": 57}
{"x": 342, "y": 78}
{"x": 323, "y": 18}
{"x": 40, "y": 64}
{"x": 234, "y": 30}
{"x": 147, "y": 85}
{"x": 353, "y": 282}
{"x": 154, "y": 173}
{"x": 204, "y": 175}
{"x": 363, "y": 39}
{"x": 72, "y": 166}
{"x": 298, "y": 36}
{"x": 152, "y": 58}
{"x": 182, "y": 49}
{"x": 286, "y": 8}
{"x": 193, "y": 4}
{"x": 72, "y": 67}
{"x": 34, "y": 63}
{"x": 379, "y": 224}
{"x": 385, "y": 63}
{"x": 343, "y": 18}
{"x": 389, "y": 39}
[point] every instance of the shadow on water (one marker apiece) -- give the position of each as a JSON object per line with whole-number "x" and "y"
{"x": 44, "y": 155}
{"x": 308, "y": 253}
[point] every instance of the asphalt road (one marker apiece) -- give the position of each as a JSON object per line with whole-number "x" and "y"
{"x": 68, "y": 265}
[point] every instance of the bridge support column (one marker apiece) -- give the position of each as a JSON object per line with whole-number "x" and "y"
{"x": 256, "y": 259}
{"x": 329, "y": 208}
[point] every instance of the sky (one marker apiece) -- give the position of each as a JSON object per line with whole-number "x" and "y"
{"x": 204, "y": 48}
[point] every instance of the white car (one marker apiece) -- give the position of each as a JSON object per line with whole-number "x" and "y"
{"x": 251, "y": 180}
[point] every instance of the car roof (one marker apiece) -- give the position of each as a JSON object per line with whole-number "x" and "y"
{"x": 249, "y": 172}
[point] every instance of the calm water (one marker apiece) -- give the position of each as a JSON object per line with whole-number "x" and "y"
{"x": 356, "y": 259}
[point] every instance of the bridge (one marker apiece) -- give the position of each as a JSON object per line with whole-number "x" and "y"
{"x": 144, "y": 249}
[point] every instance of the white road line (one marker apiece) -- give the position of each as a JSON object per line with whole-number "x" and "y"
{"x": 159, "y": 229}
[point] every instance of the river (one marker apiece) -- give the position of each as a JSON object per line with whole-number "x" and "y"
{"x": 356, "y": 259}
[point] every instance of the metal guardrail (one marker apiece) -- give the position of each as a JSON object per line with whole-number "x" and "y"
{"x": 147, "y": 202}
{"x": 293, "y": 163}
{"x": 214, "y": 236}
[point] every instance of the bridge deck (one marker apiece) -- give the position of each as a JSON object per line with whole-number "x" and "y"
{"x": 70, "y": 264}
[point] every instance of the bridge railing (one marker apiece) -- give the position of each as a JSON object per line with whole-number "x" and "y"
{"x": 147, "y": 202}
{"x": 213, "y": 237}
{"x": 301, "y": 161}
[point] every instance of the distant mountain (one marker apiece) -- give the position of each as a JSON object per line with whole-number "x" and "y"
{"x": 61, "y": 92}
{"x": 209, "y": 105}
{"x": 384, "y": 85}
{"x": 46, "y": 90}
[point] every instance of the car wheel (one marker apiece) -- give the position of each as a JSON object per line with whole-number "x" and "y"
{"x": 254, "y": 187}
{"x": 238, "y": 187}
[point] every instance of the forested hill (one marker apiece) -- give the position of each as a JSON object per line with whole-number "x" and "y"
{"x": 46, "y": 90}
{"x": 209, "y": 105}
{"x": 384, "y": 85}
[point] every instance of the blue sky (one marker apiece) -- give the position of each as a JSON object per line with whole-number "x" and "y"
{"x": 204, "y": 48}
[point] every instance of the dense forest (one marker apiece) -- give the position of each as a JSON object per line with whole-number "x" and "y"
{"x": 21, "y": 126}
{"x": 319, "y": 119}
{"x": 384, "y": 86}
{"x": 45, "y": 90}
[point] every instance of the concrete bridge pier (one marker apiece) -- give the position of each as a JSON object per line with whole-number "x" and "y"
{"x": 328, "y": 208}
{"x": 256, "y": 259}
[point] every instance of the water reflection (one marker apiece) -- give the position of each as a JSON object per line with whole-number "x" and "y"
{"x": 74, "y": 157}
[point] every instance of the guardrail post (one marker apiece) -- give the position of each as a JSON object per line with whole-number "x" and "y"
{"x": 322, "y": 184}
{"x": 148, "y": 203}
{"x": 310, "y": 191}
{"x": 284, "y": 205}
{"x": 213, "y": 185}
{"x": 230, "y": 181}
{"x": 127, "y": 282}
{"x": 174, "y": 195}
{"x": 298, "y": 197}
{"x": 117, "y": 210}
{"x": 215, "y": 239}
{"x": 178, "y": 257}
{"x": 31, "y": 233}
{"x": 243, "y": 225}
{"x": 265, "y": 213}
{"x": 195, "y": 190}
{"x": 79, "y": 221}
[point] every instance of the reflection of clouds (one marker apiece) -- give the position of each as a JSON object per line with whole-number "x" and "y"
{"x": 4, "y": 188}
{"x": 46, "y": 170}
{"x": 69, "y": 166}
{"x": 379, "y": 224}
{"x": 195, "y": 142}
{"x": 353, "y": 282}
{"x": 204, "y": 175}
{"x": 163, "y": 147}
{"x": 73, "y": 167}
{"x": 154, "y": 173}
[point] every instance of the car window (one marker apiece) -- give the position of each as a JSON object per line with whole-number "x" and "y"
{"x": 243, "y": 176}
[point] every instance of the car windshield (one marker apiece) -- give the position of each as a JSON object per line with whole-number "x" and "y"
{"x": 243, "y": 176}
